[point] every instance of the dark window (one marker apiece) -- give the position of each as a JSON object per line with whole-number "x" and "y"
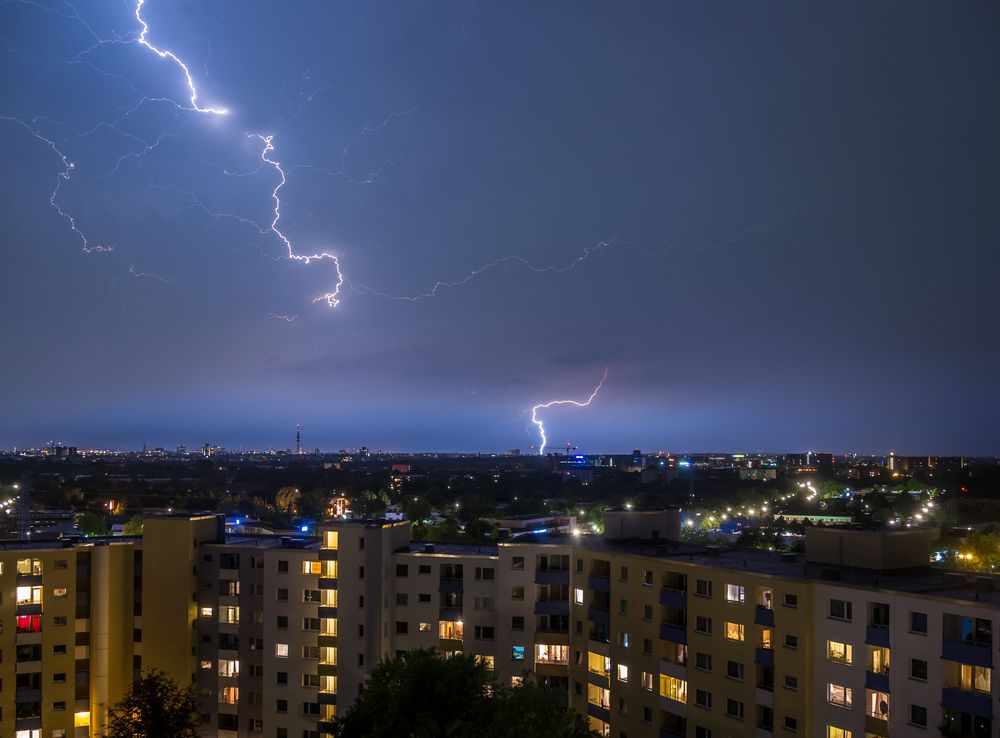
{"x": 918, "y": 622}
{"x": 703, "y": 588}
{"x": 424, "y": 569}
{"x": 402, "y": 570}
{"x": 402, "y": 627}
{"x": 703, "y": 624}
{"x": 703, "y": 661}
{"x": 918, "y": 669}
{"x": 282, "y": 566}
{"x": 517, "y": 622}
{"x": 791, "y": 682}
{"x": 918, "y": 715}
{"x": 517, "y": 563}
{"x": 791, "y": 724}
{"x": 840, "y": 609}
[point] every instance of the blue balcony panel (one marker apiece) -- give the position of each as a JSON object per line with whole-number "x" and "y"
{"x": 598, "y": 712}
{"x": 962, "y": 700}
{"x": 674, "y": 598}
{"x": 551, "y": 607}
{"x": 878, "y": 682}
{"x": 763, "y": 657}
{"x": 967, "y": 653}
{"x": 552, "y": 576}
{"x": 877, "y": 636}
{"x": 673, "y": 633}
{"x": 764, "y": 616}
{"x": 599, "y": 583}
{"x": 451, "y": 586}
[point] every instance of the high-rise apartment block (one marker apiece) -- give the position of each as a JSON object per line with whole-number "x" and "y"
{"x": 644, "y": 634}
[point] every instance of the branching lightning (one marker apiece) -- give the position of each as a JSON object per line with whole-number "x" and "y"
{"x": 63, "y": 176}
{"x": 551, "y": 403}
{"x": 165, "y": 54}
{"x": 585, "y": 254}
{"x": 331, "y": 298}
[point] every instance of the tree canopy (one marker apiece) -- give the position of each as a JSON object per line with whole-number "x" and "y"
{"x": 424, "y": 695}
{"x": 154, "y": 707}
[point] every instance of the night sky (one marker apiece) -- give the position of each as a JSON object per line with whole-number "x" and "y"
{"x": 775, "y": 224}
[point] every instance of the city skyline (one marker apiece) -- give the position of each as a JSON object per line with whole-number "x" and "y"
{"x": 413, "y": 225}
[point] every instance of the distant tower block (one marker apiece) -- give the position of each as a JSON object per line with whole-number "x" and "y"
{"x": 298, "y": 438}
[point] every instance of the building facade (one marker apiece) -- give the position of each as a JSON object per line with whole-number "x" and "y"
{"x": 644, "y": 635}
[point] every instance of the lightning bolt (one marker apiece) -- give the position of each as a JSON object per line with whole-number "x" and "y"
{"x": 551, "y": 403}
{"x": 585, "y": 254}
{"x": 165, "y": 54}
{"x": 331, "y": 298}
{"x": 62, "y": 177}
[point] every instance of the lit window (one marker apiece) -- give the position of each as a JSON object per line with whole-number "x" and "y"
{"x": 331, "y": 539}
{"x": 517, "y": 653}
{"x": 281, "y": 650}
{"x": 312, "y": 567}
{"x": 734, "y": 631}
{"x": 516, "y": 681}
{"x": 229, "y": 667}
{"x": 837, "y": 694}
{"x": 59, "y": 592}
{"x": 229, "y": 695}
{"x": 488, "y": 661}
{"x": 81, "y": 719}
{"x": 206, "y": 664}
{"x": 673, "y": 688}
{"x": 599, "y": 696}
{"x": 424, "y": 627}
{"x": 975, "y": 678}
{"x": 598, "y": 664}
{"x": 578, "y": 596}
{"x": 229, "y": 614}
{"x": 735, "y": 593}
{"x": 29, "y": 567}
{"x": 29, "y": 595}
{"x": 878, "y": 705}
{"x": 450, "y": 630}
{"x": 622, "y": 673}
{"x": 647, "y": 681}
{"x": 207, "y": 612}
{"x": 546, "y": 654}
{"x": 832, "y": 731}
{"x": 840, "y": 652}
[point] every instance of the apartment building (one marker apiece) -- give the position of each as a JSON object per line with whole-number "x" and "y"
{"x": 645, "y": 635}
{"x": 70, "y": 634}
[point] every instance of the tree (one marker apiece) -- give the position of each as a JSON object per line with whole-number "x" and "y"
{"x": 416, "y": 509}
{"x": 287, "y": 500}
{"x": 370, "y": 504}
{"x": 155, "y": 707}
{"x": 133, "y": 527}
{"x": 424, "y": 695}
{"x": 91, "y": 524}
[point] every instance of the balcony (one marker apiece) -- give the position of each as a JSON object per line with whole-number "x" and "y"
{"x": 877, "y": 635}
{"x": 763, "y": 657}
{"x": 764, "y": 616}
{"x": 673, "y": 632}
{"x": 326, "y": 670}
{"x": 968, "y": 652}
{"x": 324, "y": 611}
{"x": 328, "y": 554}
{"x": 451, "y": 586}
{"x": 670, "y": 733}
{"x": 599, "y": 615}
{"x": 599, "y": 583}
{"x": 877, "y": 726}
{"x": 551, "y": 607}
{"x": 601, "y": 712}
{"x": 552, "y": 576}
{"x": 326, "y": 698}
{"x": 963, "y": 700}
{"x": 29, "y": 580}
{"x": 328, "y": 583}
{"x": 452, "y": 614}
{"x": 877, "y": 680}
{"x": 676, "y": 598}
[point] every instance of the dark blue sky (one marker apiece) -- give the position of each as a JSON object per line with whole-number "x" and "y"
{"x": 799, "y": 202}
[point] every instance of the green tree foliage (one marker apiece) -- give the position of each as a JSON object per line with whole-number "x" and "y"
{"x": 133, "y": 527}
{"x": 155, "y": 707}
{"x": 370, "y": 504}
{"x": 422, "y": 695}
{"x": 416, "y": 509}
{"x": 91, "y": 524}
{"x": 287, "y": 500}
